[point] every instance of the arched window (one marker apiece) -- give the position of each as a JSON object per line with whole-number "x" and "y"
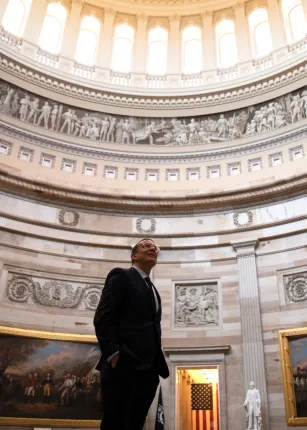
{"x": 157, "y": 51}
{"x": 88, "y": 40}
{"x": 260, "y": 32}
{"x": 16, "y": 15}
{"x": 122, "y": 48}
{"x": 191, "y": 50}
{"x": 295, "y": 20}
{"x": 226, "y": 43}
{"x": 53, "y": 27}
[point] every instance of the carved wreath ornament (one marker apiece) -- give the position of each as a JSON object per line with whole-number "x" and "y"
{"x": 52, "y": 293}
{"x": 296, "y": 288}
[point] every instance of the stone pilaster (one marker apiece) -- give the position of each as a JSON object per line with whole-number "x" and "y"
{"x": 3, "y": 6}
{"x": 252, "y": 343}
{"x": 35, "y": 21}
{"x": 173, "y": 52}
{"x": 209, "y": 51}
{"x": 242, "y": 33}
{"x": 277, "y": 27}
{"x": 106, "y": 40}
{"x": 71, "y": 32}
{"x": 140, "y": 45}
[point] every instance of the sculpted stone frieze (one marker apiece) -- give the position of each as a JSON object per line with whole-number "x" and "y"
{"x": 153, "y": 102}
{"x": 142, "y": 131}
{"x": 52, "y": 293}
{"x": 196, "y": 305}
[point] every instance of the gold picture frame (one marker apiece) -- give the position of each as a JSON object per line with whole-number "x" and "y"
{"x": 61, "y": 340}
{"x": 292, "y": 390}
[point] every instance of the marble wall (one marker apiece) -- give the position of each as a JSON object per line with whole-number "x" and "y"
{"x": 51, "y": 282}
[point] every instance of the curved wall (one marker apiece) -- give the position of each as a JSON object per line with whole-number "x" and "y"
{"x": 234, "y": 217}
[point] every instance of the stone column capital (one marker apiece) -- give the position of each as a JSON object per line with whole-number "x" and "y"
{"x": 207, "y": 14}
{"x": 245, "y": 247}
{"x": 80, "y": 2}
{"x": 142, "y": 17}
{"x": 174, "y": 18}
{"x": 110, "y": 12}
{"x": 239, "y": 5}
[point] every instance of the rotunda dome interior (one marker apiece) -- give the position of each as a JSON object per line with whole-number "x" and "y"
{"x": 184, "y": 121}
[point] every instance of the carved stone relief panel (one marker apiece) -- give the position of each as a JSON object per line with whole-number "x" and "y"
{"x": 146, "y": 225}
{"x": 292, "y": 284}
{"x": 295, "y": 287}
{"x": 70, "y": 218}
{"x": 243, "y": 218}
{"x": 196, "y": 305}
{"x": 99, "y": 126}
{"x": 59, "y": 293}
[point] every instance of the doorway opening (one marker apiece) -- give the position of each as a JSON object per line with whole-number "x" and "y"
{"x": 197, "y": 398}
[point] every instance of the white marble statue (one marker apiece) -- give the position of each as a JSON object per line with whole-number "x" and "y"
{"x": 252, "y": 406}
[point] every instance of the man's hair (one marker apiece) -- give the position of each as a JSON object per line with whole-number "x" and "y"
{"x": 137, "y": 245}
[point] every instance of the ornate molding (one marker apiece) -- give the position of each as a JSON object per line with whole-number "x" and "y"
{"x": 170, "y": 158}
{"x": 69, "y": 218}
{"x": 149, "y": 227}
{"x": 52, "y": 292}
{"x": 191, "y": 204}
{"x": 241, "y": 219}
{"x": 79, "y": 91}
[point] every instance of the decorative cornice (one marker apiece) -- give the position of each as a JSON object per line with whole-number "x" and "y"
{"x": 144, "y": 205}
{"x": 156, "y": 103}
{"x": 170, "y": 158}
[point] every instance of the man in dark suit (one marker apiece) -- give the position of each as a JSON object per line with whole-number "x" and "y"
{"x": 127, "y": 323}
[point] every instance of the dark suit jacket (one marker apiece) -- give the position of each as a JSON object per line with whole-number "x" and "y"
{"x": 126, "y": 321}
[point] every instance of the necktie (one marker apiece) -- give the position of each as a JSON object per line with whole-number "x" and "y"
{"x": 152, "y": 294}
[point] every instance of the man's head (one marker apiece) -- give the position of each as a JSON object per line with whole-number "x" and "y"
{"x": 144, "y": 255}
{"x": 251, "y": 385}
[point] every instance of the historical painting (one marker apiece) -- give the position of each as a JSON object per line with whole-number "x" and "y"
{"x": 196, "y": 305}
{"x": 48, "y": 379}
{"x": 293, "y": 345}
{"x": 200, "y": 130}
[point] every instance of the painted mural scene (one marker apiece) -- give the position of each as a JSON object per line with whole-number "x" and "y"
{"x": 48, "y": 379}
{"x": 298, "y": 348}
{"x": 98, "y": 126}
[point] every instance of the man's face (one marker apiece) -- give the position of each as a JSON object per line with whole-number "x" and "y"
{"x": 252, "y": 385}
{"x": 147, "y": 253}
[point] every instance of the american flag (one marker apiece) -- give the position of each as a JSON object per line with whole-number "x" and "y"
{"x": 205, "y": 406}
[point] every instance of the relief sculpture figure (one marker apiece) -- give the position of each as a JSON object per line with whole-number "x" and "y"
{"x": 222, "y": 127}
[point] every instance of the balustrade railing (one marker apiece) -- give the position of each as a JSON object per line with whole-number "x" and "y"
{"x": 83, "y": 71}
{"x": 240, "y": 71}
{"x": 224, "y": 75}
{"x": 117, "y": 78}
{"x": 156, "y": 81}
{"x": 263, "y": 63}
{"x": 298, "y": 47}
{"x": 189, "y": 81}
{"x": 11, "y": 40}
{"x": 47, "y": 58}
